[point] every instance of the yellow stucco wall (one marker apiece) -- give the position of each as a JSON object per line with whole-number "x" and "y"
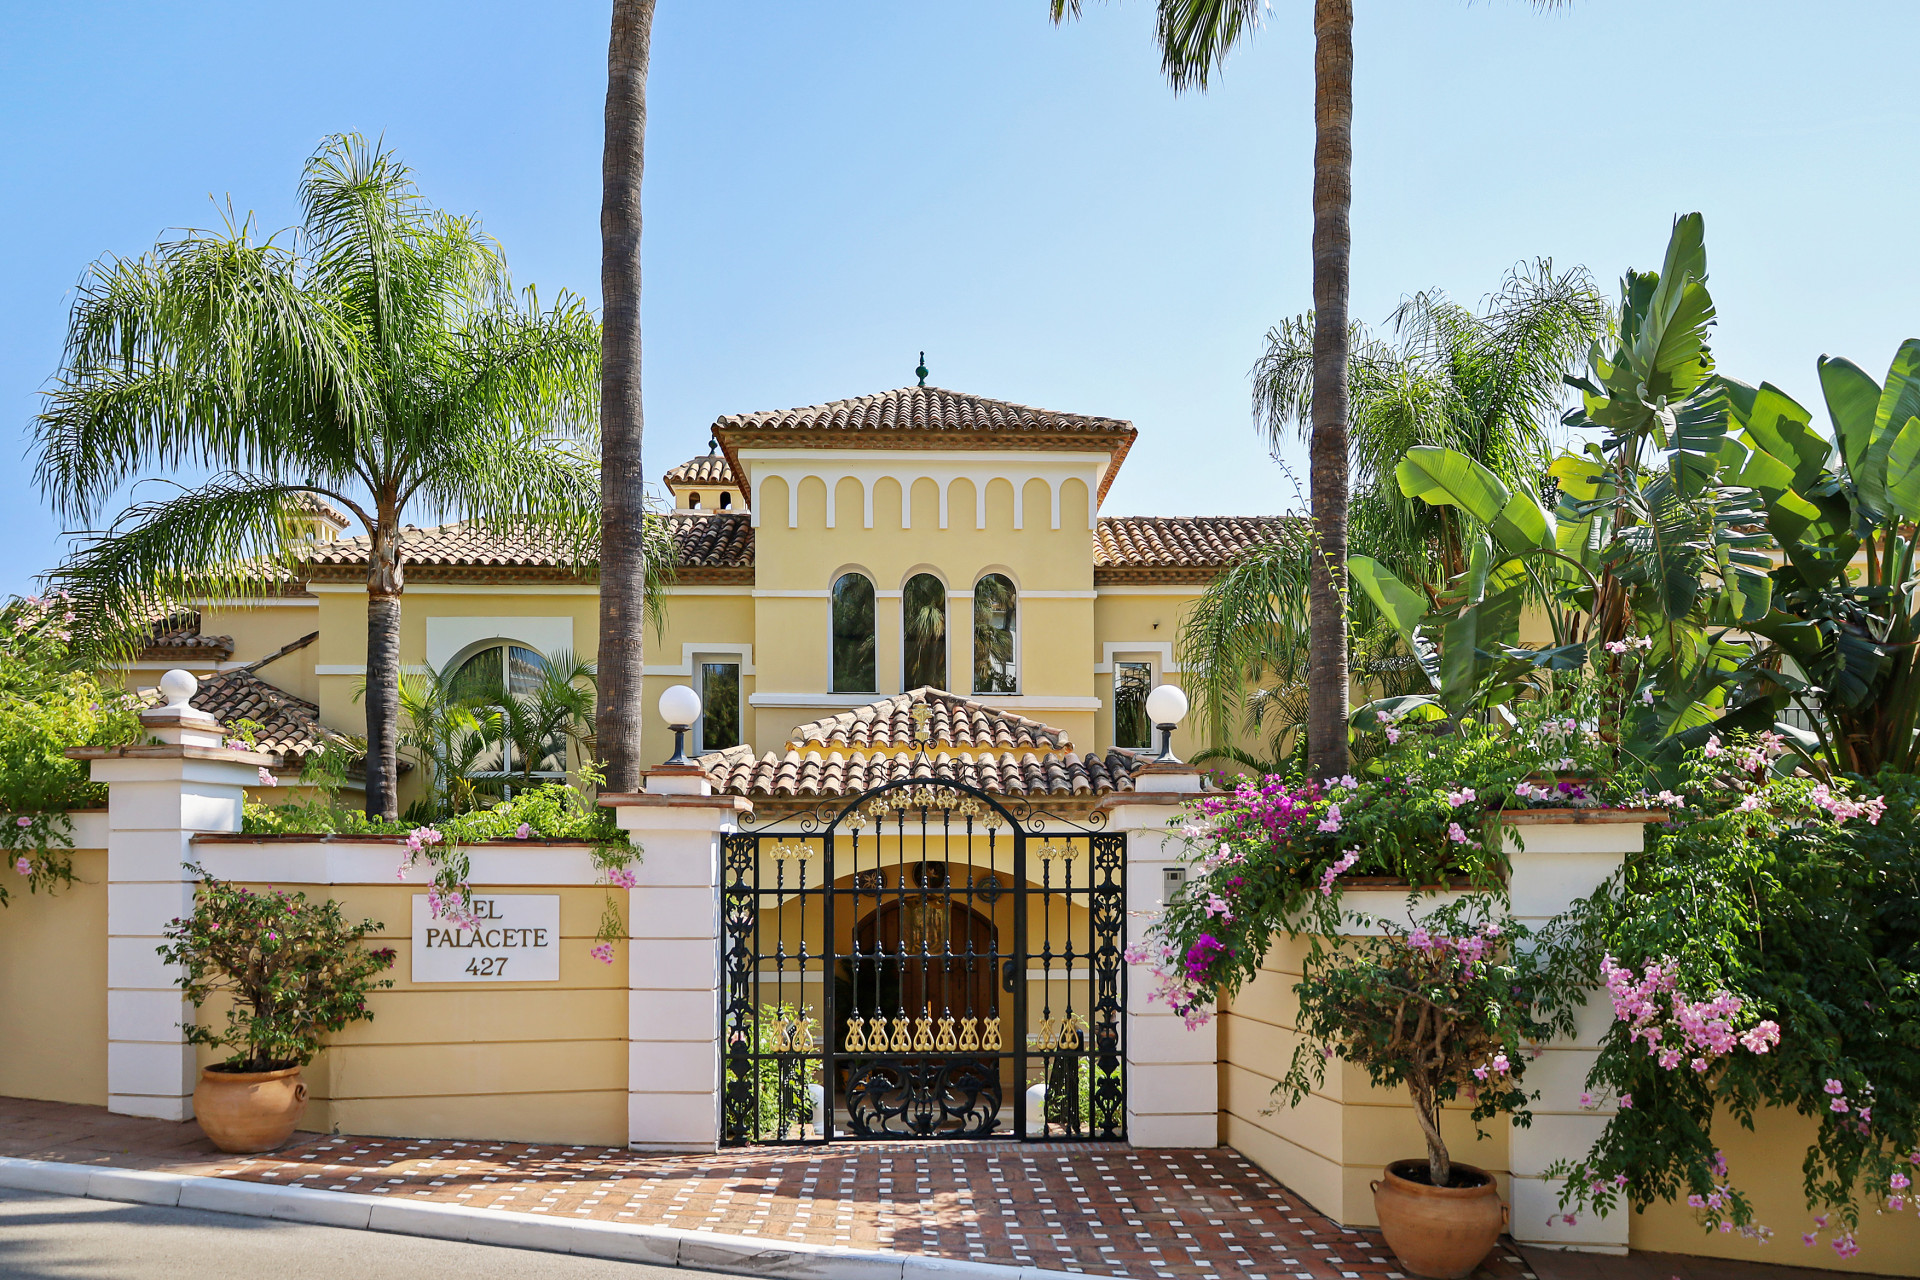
{"x": 511, "y": 1061}
{"x": 53, "y": 988}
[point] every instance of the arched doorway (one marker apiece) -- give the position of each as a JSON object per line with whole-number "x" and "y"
{"x": 925, "y": 956}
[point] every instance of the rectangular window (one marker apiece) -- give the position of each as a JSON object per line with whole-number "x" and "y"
{"x": 1132, "y": 681}
{"x": 719, "y": 706}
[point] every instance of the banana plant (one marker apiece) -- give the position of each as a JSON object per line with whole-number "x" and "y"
{"x": 1653, "y": 532}
{"x": 1843, "y": 513}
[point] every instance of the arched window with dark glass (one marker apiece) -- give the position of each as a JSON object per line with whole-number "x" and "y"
{"x": 923, "y": 625}
{"x": 853, "y": 635}
{"x": 491, "y": 675}
{"x": 995, "y": 636}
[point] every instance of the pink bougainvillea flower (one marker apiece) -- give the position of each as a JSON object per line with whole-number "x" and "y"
{"x": 1332, "y": 821}
{"x": 1899, "y": 1182}
{"x": 1626, "y": 1102}
{"x": 1457, "y": 798}
{"x": 1586, "y": 1100}
{"x": 603, "y": 953}
{"x": 1835, "y": 1087}
{"x": 23, "y": 821}
{"x": 522, "y": 831}
{"x": 24, "y": 867}
{"x": 1838, "y": 1104}
{"x": 1455, "y": 834}
{"x": 621, "y": 878}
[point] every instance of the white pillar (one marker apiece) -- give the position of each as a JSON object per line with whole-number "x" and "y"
{"x": 673, "y": 959}
{"x": 158, "y": 797}
{"x": 1564, "y": 861}
{"x": 1173, "y": 1074}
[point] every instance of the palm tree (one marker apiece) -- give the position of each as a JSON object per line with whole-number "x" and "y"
{"x": 623, "y": 544}
{"x": 448, "y": 736}
{"x": 1485, "y": 382}
{"x": 1195, "y": 37}
{"x": 377, "y": 356}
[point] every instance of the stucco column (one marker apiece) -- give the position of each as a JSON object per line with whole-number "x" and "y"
{"x": 1173, "y": 1073}
{"x": 158, "y": 797}
{"x": 673, "y": 958}
{"x": 1567, "y": 855}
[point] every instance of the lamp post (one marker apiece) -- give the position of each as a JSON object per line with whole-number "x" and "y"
{"x": 1166, "y": 707}
{"x": 679, "y": 707}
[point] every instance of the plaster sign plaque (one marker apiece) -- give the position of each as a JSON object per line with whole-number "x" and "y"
{"x": 517, "y": 940}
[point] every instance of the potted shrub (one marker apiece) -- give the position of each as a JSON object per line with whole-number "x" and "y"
{"x": 295, "y": 971}
{"x": 1442, "y": 1009}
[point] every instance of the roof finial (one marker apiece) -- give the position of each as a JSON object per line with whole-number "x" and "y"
{"x": 922, "y": 370}
{"x": 713, "y": 447}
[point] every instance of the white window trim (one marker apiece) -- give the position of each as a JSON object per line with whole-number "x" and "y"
{"x": 1156, "y": 657}
{"x": 877, "y": 596}
{"x": 1161, "y": 651}
{"x": 742, "y": 653}
{"x": 1019, "y": 638}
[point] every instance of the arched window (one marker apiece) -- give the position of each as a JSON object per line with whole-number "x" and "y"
{"x": 519, "y": 671}
{"x": 923, "y": 624}
{"x": 853, "y": 644}
{"x": 996, "y": 648}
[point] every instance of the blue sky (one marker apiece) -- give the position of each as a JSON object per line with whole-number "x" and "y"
{"x": 835, "y": 185}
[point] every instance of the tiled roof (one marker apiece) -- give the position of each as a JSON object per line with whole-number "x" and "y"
{"x": 175, "y": 638}
{"x": 701, "y": 541}
{"x": 833, "y": 773}
{"x": 713, "y": 540}
{"x": 1176, "y": 547}
{"x": 325, "y": 510}
{"x": 289, "y": 725}
{"x": 866, "y": 747}
{"x": 922, "y": 409}
{"x": 954, "y": 722}
{"x": 707, "y": 469}
{"x": 925, "y": 418}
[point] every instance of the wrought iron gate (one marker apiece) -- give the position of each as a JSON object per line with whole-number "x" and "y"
{"x": 923, "y": 962}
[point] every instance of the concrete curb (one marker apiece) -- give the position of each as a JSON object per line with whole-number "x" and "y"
{"x": 661, "y": 1246}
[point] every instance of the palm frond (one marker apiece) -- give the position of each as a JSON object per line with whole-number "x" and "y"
{"x": 235, "y": 537}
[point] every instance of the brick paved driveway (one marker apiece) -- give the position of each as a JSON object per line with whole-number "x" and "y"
{"x": 1093, "y": 1208}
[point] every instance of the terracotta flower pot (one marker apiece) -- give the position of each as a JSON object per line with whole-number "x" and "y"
{"x": 246, "y": 1111}
{"x": 1441, "y": 1233}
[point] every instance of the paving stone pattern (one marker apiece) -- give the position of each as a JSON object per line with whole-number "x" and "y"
{"x": 1099, "y": 1209}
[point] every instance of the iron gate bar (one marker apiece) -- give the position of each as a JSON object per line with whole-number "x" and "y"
{"x": 925, "y": 1076}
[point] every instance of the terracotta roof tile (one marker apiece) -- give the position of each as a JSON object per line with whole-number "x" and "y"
{"x": 702, "y": 540}
{"x": 707, "y": 469}
{"x": 174, "y": 638}
{"x": 1132, "y": 546}
{"x": 954, "y": 722}
{"x": 921, "y": 409}
{"x": 289, "y": 725}
{"x": 869, "y": 746}
{"x": 815, "y": 773}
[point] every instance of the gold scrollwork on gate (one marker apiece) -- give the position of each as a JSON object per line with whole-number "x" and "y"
{"x": 793, "y": 1034}
{"x": 785, "y": 852}
{"x": 1072, "y": 1030}
{"x": 1058, "y": 851}
{"x": 969, "y": 1036}
{"x": 921, "y": 714}
{"x": 902, "y": 1036}
{"x": 857, "y": 1034}
{"x": 945, "y": 1041}
{"x": 990, "y": 1042}
{"x": 923, "y": 1034}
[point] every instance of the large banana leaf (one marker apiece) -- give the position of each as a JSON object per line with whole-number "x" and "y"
{"x": 1448, "y": 477}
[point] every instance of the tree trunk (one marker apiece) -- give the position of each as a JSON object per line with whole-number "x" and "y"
{"x": 384, "y": 584}
{"x": 622, "y": 477}
{"x": 1439, "y": 1162}
{"x": 1332, "y": 195}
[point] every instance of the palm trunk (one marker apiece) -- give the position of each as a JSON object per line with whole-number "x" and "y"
{"x": 623, "y": 569}
{"x": 1332, "y": 196}
{"x": 384, "y": 584}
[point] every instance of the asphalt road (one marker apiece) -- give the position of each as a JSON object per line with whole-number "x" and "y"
{"x": 61, "y": 1238}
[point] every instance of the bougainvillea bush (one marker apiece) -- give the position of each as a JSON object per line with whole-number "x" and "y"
{"x": 1764, "y": 954}
{"x": 48, "y": 702}
{"x": 296, "y": 971}
{"x": 1271, "y": 855}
